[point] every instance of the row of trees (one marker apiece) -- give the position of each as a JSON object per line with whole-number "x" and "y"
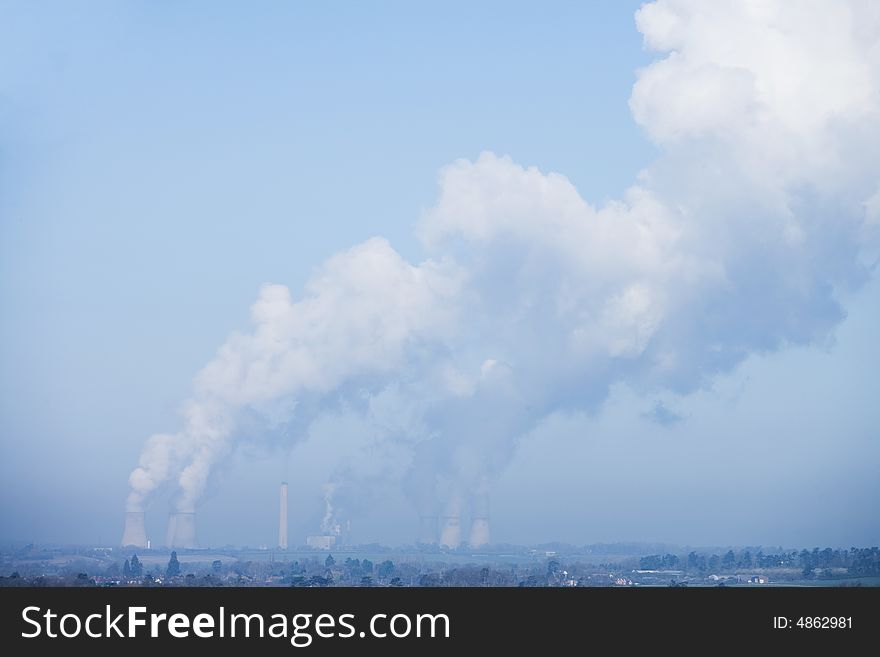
{"x": 857, "y": 561}
{"x": 134, "y": 569}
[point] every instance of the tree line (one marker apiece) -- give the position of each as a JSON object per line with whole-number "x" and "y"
{"x": 860, "y": 562}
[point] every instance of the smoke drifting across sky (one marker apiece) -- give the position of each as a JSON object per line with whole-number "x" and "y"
{"x": 763, "y": 207}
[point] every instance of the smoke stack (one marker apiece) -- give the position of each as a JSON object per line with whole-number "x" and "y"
{"x": 282, "y": 519}
{"x": 451, "y": 534}
{"x": 428, "y": 530}
{"x": 479, "y": 532}
{"x": 135, "y": 532}
{"x": 182, "y": 530}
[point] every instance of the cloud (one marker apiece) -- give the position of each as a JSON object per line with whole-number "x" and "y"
{"x": 741, "y": 238}
{"x": 662, "y": 415}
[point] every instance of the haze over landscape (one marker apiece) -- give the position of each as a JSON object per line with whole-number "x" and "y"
{"x": 588, "y": 273}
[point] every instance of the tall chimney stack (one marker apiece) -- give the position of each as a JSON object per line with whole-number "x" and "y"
{"x": 182, "y": 530}
{"x": 135, "y": 533}
{"x": 282, "y": 519}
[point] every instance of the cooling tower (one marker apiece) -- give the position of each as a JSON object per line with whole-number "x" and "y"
{"x": 181, "y": 530}
{"x": 480, "y": 514}
{"x": 135, "y": 533}
{"x": 169, "y": 533}
{"x": 428, "y": 530}
{"x": 282, "y": 519}
{"x": 450, "y": 536}
{"x": 479, "y": 532}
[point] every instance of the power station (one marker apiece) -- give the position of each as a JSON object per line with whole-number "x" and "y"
{"x": 444, "y": 531}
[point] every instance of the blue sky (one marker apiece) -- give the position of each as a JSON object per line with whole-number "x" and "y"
{"x": 160, "y": 162}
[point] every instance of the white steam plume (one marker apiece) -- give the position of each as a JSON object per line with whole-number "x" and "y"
{"x": 363, "y": 315}
{"x": 762, "y": 211}
{"x": 328, "y": 522}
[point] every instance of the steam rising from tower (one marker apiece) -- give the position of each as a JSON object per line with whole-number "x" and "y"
{"x": 761, "y": 213}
